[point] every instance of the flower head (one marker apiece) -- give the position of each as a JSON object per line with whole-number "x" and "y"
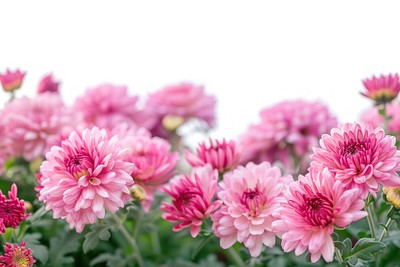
{"x": 12, "y": 210}
{"x": 12, "y": 80}
{"x": 372, "y": 116}
{"x": 250, "y": 195}
{"x": 316, "y": 203}
{"x": 392, "y": 195}
{"x": 84, "y": 177}
{"x": 359, "y": 156}
{"x": 16, "y": 256}
{"x": 48, "y": 84}
{"x": 222, "y": 156}
{"x": 383, "y": 89}
{"x": 192, "y": 199}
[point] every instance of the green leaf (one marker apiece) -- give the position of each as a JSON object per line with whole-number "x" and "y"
{"x": 347, "y": 246}
{"x": 339, "y": 245}
{"x": 364, "y": 249}
{"x": 60, "y": 246}
{"x": 97, "y": 232}
{"x": 39, "y": 251}
{"x": 112, "y": 260}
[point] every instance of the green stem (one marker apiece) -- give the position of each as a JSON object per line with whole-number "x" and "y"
{"x": 138, "y": 222}
{"x": 236, "y": 257}
{"x": 370, "y": 220}
{"x": 387, "y": 226}
{"x": 155, "y": 242}
{"x": 339, "y": 256}
{"x": 130, "y": 240}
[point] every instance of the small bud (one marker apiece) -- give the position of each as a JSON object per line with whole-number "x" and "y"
{"x": 28, "y": 205}
{"x": 138, "y": 192}
{"x": 11, "y": 81}
{"x": 172, "y": 122}
{"x": 392, "y": 196}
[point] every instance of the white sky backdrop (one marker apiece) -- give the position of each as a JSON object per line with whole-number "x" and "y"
{"x": 249, "y": 54}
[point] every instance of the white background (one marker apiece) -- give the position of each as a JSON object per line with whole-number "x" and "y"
{"x": 250, "y": 54}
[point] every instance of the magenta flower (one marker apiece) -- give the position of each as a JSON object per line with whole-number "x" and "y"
{"x": 250, "y": 195}
{"x": 192, "y": 199}
{"x": 383, "y": 89}
{"x": 316, "y": 203}
{"x": 16, "y": 256}
{"x": 372, "y": 116}
{"x": 12, "y": 80}
{"x": 33, "y": 125}
{"x": 48, "y": 84}
{"x": 222, "y": 156}
{"x": 12, "y": 210}
{"x": 84, "y": 177}
{"x": 185, "y": 100}
{"x": 108, "y": 105}
{"x": 359, "y": 156}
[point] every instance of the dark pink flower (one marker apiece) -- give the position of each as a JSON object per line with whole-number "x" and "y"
{"x": 359, "y": 156}
{"x": 12, "y": 210}
{"x": 16, "y": 256}
{"x": 12, "y": 80}
{"x": 383, "y": 89}
{"x": 316, "y": 203}
{"x": 48, "y": 84}
{"x": 192, "y": 199}
{"x": 84, "y": 177}
{"x": 222, "y": 155}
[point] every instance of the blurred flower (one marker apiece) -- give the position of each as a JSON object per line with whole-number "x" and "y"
{"x": 392, "y": 195}
{"x": 33, "y": 125}
{"x": 287, "y": 132}
{"x": 372, "y": 116}
{"x": 359, "y": 156}
{"x": 316, "y": 203}
{"x": 12, "y": 210}
{"x": 192, "y": 199}
{"x": 16, "y": 256}
{"x": 383, "y": 89}
{"x": 84, "y": 176}
{"x": 108, "y": 105}
{"x": 12, "y": 80}
{"x": 48, "y": 84}
{"x": 222, "y": 156}
{"x": 250, "y": 195}
{"x": 185, "y": 100}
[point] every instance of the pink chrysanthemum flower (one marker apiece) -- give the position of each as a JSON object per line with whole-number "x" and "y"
{"x": 222, "y": 156}
{"x": 316, "y": 203}
{"x": 12, "y": 210}
{"x": 16, "y": 256}
{"x": 192, "y": 199}
{"x": 383, "y": 89}
{"x": 153, "y": 159}
{"x": 33, "y": 125}
{"x": 12, "y": 80}
{"x": 286, "y": 134}
{"x": 250, "y": 195}
{"x": 108, "y": 105}
{"x": 359, "y": 156}
{"x": 372, "y": 116}
{"x": 48, "y": 84}
{"x": 84, "y": 177}
{"x": 185, "y": 100}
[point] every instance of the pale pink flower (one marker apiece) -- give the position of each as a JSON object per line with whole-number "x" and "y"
{"x": 372, "y": 116}
{"x": 222, "y": 155}
{"x": 359, "y": 156}
{"x": 192, "y": 199}
{"x": 250, "y": 195}
{"x": 185, "y": 100}
{"x": 16, "y": 256}
{"x": 316, "y": 203}
{"x": 108, "y": 105}
{"x": 383, "y": 89}
{"x": 84, "y": 177}
{"x": 33, "y": 125}
{"x": 48, "y": 84}
{"x": 12, "y": 80}
{"x": 12, "y": 210}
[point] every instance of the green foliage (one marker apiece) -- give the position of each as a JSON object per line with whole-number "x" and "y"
{"x": 116, "y": 259}
{"x": 61, "y": 246}
{"x": 365, "y": 250}
{"x": 39, "y": 251}
{"x": 99, "y": 231}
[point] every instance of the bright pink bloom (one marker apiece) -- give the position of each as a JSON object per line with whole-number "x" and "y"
{"x": 372, "y": 116}
{"x": 48, "y": 84}
{"x": 359, "y": 156}
{"x": 12, "y": 80}
{"x": 16, "y": 256}
{"x": 250, "y": 195}
{"x": 153, "y": 159}
{"x": 33, "y": 125}
{"x": 316, "y": 203}
{"x": 12, "y": 210}
{"x": 84, "y": 177}
{"x": 192, "y": 199}
{"x": 222, "y": 156}
{"x": 186, "y": 100}
{"x": 286, "y": 134}
{"x": 383, "y": 89}
{"x": 108, "y": 105}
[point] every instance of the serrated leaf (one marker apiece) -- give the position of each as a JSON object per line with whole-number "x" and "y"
{"x": 347, "y": 246}
{"x": 61, "y": 246}
{"x": 39, "y": 251}
{"x": 97, "y": 232}
{"x": 364, "y": 249}
{"x": 339, "y": 245}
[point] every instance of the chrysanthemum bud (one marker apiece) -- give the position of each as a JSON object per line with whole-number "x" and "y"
{"x": 392, "y": 195}
{"x": 172, "y": 122}
{"x": 138, "y": 192}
